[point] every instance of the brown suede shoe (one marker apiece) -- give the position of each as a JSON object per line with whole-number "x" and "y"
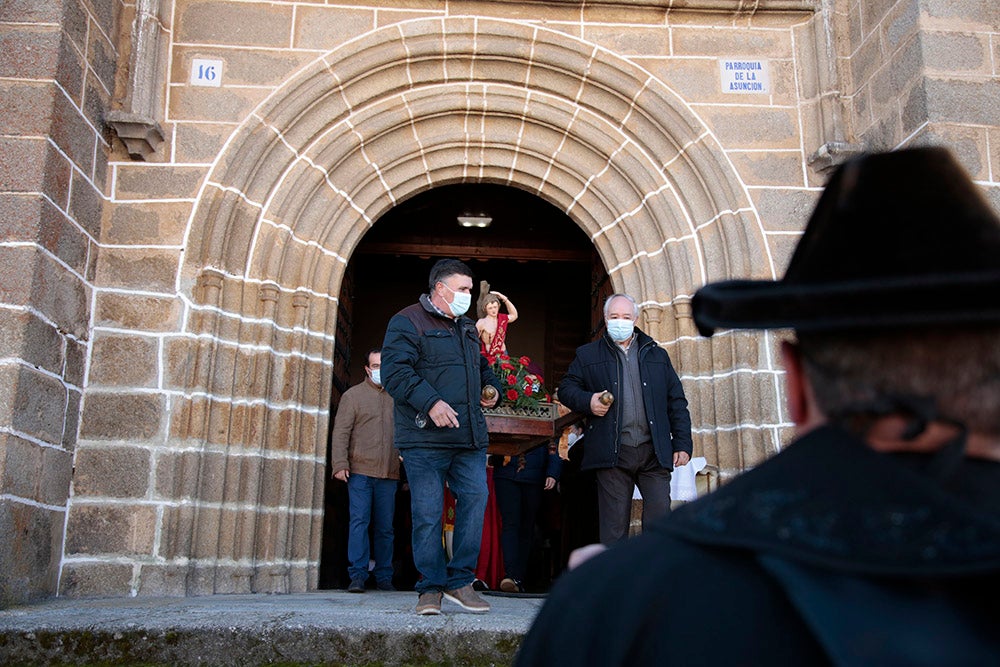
{"x": 429, "y": 603}
{"x": 509, "y": 585}
{"x": 468, "y": 599}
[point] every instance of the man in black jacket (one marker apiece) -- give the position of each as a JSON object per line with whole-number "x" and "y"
{"x": 637, "y": 437}
{"x": 432, "y": 368}
{"x": 874, "y": 539}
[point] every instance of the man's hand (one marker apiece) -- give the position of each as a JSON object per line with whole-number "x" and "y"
{"x": 342, "y": 475}
{"x": 584, "y": 553}
{"x": 681, "y": 459}
{"x": 599, "y": 409}
{"x": 490, "y": 403}
{"x": 550, "y": 483}
{"x": 443, "y": 415}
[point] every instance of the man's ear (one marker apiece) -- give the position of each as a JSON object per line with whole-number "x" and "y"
{"x": 798, "y": 392}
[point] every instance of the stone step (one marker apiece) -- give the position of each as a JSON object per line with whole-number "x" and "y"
{"x": 323, "y": 627}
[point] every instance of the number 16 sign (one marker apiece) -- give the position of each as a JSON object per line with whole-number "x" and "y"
{"x": 206, "y": 72}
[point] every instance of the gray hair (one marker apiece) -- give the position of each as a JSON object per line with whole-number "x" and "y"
{"x": 957, "y": 368}
{"x": 635, "y": 306}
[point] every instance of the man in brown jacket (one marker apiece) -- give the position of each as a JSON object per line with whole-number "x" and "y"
{"x": 362, "y": 454}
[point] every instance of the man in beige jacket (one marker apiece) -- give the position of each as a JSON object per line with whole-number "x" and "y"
{"x": 362, "y": 454}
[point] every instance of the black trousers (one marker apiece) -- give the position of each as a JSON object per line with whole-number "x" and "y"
{"x": 637, "y": 466}
{"x": 518, "y": 503}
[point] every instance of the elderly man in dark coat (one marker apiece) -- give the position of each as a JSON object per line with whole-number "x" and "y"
{"x": 874, "y": 539}
{"x": 636, "y": 438}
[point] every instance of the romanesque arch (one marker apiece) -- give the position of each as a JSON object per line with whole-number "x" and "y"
{"x": 395, "y": 112}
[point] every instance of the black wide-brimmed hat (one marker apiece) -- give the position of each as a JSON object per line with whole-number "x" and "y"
{"x": 897, "y": 239}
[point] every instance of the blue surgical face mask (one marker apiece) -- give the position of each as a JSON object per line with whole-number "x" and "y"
{"x": 377, "y": 376}
{"x": 460, "y": 304}
{"x": 620, "y": 330}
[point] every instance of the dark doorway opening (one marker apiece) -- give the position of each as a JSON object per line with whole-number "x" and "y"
{"x": 532, "y": 252}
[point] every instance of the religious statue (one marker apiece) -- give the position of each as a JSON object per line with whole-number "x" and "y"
{"x": 492, "y": 324}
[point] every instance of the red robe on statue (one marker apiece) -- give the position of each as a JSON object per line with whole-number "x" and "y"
{"x": 499, "y": 342}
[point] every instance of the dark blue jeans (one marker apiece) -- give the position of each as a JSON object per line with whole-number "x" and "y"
{"x": 372, "y": 501}
{"x": 427, "y": 469}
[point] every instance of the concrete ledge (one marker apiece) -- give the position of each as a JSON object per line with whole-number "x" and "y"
{"x": 325, "y": 627}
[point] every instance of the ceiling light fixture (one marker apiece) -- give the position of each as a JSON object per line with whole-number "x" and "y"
{"x": 474, "y": 221}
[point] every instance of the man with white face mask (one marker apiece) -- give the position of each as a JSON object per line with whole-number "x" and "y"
{"x": 362, "y": 455}
{"x": 638, "y": 434}
{"x": 432, "y": 368}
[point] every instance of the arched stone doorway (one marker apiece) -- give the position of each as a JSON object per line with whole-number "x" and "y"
{"x": 399, "y": 111}
{"x": 531, "y": 251}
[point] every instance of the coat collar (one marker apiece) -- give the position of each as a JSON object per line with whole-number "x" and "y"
{"x": 428, "y": 305}
{"x": 830, "y": 501}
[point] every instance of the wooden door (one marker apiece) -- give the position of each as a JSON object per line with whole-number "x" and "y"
{"x": 336, "y": 515}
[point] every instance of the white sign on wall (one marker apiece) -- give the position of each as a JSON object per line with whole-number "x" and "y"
{"x": 206, "y": 72}
{"x": 745, "y": 77}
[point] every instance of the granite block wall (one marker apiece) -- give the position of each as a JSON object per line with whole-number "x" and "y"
{"x": 182, "y": 183}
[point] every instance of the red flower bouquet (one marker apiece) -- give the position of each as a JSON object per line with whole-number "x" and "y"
{"x": 524, "y": 388}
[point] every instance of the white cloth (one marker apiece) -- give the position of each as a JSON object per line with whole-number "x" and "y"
{"x": 682, "y": 484}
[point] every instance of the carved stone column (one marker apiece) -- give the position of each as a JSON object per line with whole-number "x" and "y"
{"x": 652, "y": 315}
{"x": 299, "y": 531}
{"x": 252, "y": 468}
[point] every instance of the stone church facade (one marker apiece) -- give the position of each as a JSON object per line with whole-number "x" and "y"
{"x": 183, "y": 182}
